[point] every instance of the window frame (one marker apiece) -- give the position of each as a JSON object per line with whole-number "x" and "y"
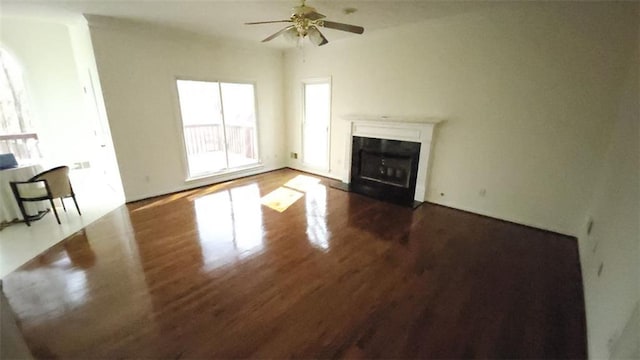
{"x": 180, "y": 127}
{"x": 34, "y": 153}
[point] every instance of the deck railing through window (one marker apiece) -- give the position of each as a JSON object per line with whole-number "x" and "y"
{"x": 208, "y": 138}
{"x": 23, "y": 146}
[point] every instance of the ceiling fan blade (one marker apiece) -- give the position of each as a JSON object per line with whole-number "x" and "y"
{"x": 267, "y": 22}
{"x": 314, "y": 16}
{"x": 279, "y": 33}
{"x": 340, "y": 26}
{"x": 316, "y": 36}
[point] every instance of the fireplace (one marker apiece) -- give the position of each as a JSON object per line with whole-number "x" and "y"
{"x": 385, "y": 169}
{"x": 388, "y": 158}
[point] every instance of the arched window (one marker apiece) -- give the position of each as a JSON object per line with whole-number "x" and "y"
{"x": 17, "y": 134}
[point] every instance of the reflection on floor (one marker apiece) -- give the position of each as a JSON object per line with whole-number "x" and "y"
{"x": 212, "y": 273}
{"x": 20, "y": 243}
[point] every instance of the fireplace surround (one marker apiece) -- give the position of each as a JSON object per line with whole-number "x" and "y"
{"x": 397, "y": 153}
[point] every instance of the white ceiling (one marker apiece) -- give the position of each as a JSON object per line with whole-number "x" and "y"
{"x": 226, "y": 18}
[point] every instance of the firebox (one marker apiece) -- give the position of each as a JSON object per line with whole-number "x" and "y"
{"x": 385, "y": 169}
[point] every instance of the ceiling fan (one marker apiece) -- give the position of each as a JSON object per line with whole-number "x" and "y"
{"x": 305, "y": 22}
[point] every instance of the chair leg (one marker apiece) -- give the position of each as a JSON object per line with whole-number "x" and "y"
{"x": 64, "y": 207}
{"x": 14, "y": 189}
{"x": 73, "y": 196}
{"x": 23, "y": 212}
{"x": 54, "y": 210}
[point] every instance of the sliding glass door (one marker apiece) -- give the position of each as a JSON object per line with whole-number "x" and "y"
{"x": 219, "y": 126}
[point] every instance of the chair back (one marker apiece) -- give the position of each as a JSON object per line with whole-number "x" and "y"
{"x": 58, "y": 181}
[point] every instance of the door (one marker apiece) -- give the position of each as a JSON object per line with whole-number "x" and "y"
{"x": 315, "y": 124}
{"x": 219, "y": 126}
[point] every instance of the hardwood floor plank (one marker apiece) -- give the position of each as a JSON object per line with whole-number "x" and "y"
{"x": 211, "y": 273}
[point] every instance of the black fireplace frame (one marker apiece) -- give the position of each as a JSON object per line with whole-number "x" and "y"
{"x": 394, "y": 150}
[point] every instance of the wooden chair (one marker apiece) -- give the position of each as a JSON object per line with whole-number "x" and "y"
{"x": 47, "y": 185}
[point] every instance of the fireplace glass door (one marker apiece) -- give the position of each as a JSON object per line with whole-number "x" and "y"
{"x": 385, "y": 169}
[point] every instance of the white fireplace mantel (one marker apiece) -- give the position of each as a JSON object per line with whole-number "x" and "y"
{"x": 393, "y": 119}
{"x": 418, "y": 130}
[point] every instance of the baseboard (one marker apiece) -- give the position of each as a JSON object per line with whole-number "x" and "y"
{"x": 315, "y": 172}
{"x": 212, "y": 181}
{"x": 335, "y": 177}
{"x": 504, "y": 218}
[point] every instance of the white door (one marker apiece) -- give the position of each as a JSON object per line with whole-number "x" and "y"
{"x": 315, "y": 124}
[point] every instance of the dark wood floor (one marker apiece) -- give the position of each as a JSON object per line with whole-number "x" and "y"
{"x": 211, "y": 273}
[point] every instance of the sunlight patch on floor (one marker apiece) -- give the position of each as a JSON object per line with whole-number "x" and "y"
{"x": 280, "y": 199}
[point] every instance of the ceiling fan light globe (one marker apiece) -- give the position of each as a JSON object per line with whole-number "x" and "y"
{"x": 292, "y": 35}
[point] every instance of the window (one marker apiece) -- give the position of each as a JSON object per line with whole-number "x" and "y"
{"x": 315, "y": 125}
{"x": 219, "y": 126}
{"x": 17, "y": 134}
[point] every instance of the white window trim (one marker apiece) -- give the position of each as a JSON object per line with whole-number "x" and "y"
{"x": 180, "y": 130}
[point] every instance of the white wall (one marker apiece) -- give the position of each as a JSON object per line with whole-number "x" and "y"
{"x": 614, "y": 242}
{"x": 527, "y": 91}
{"x": 138, "y": 64}
{"x": 44, "y": 50}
